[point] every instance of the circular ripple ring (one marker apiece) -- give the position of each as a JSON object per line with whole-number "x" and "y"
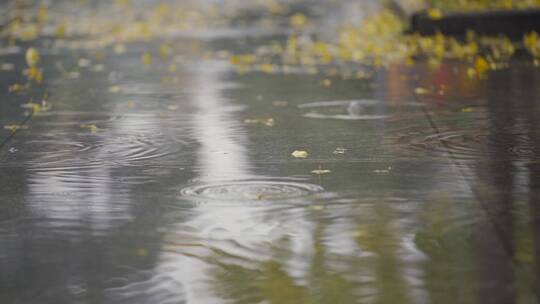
{"x": 251, "y": 190}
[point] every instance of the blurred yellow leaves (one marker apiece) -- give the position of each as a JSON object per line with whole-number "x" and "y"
{"x": 435, "y": 14}
{"x": 531, "y": 42}
{"x": 13, "y": 128}
{"x": 298, "y": 20}
{"x": 91, "y": 127}
{"x": 32, "y": 57}
{"x": 146, "y": 59}
{"x": 37, "y": 107}
{"x": 421, "y": 91}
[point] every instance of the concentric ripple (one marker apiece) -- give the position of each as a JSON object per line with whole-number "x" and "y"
{"x": 363, "y": 109}
{"x": 251, "y": 190}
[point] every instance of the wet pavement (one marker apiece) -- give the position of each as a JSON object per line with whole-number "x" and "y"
{"x": 140, "y": 186}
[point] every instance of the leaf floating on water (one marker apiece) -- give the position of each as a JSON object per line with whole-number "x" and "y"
{"x": 316, "y": 207}
{"x": 421, "y": 91}
{"x": 17, "y": 88}
{"x": 93, "y": 128}
{"x": 14, "y": 128}
{"x": 36, "y": 107}
{"x": 321, "y": 171}
{"x": 327, "y": 83}
{"x": 269, "y": 122}
{"x": 471, "y": 72}
{"x": 481, "y": 65}
{"x": 300, "y": 154}
{"x": 298, "y": 20}
{"x": 146, "y": 59}
{"x": 467, "y": 110}
{"x": 339, "y": 150}
{"x": 32, "y": 57}
{"x": 115, "y": 89}
{"x": 35, "y": 74}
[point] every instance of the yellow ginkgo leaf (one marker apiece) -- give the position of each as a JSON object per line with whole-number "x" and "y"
{"x": 481, "y": 65}
{"x": 300, "y": 154}
{"x": 17, "y": 88}
{"x": 13, "y": 128}
{"x": 298, "y": 20}
{"x": 146, "y": 59}
{"x": 115, "y": 89}
{"x": 92, "y": 128}
{"x": 269, "y": 122}
{"x": 37, "y": 108}
{"x": 435, "y": 14}
{"x": 421, "y": 91}
{"x": 32, "y": 57}
{"x": 321, "y": 171}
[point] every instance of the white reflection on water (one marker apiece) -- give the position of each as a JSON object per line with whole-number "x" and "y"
{"x": 235, "y": 227}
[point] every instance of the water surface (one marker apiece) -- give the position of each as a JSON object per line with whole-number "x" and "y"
{"x": 175, "y": 198}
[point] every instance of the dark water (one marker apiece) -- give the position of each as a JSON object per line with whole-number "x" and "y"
{"x": 175, "y": 197}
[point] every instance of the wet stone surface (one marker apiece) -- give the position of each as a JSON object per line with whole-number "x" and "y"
{"x": 131, "y": 189}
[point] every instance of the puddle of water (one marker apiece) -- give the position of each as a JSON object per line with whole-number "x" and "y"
{"x": 169, "y": 199}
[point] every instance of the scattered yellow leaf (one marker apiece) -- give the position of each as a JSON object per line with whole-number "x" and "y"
{"x": 35, "y": 74}
{"x": 300, "y": 154}
{"x": 269, "y": 122}
{"x": 267, "y": 68}
{"x": 321, "y": 171}
{"x": 467, "y": 110}
{"x": 421, "y": 91}
{"x": 32, "y": 57}
{"x": 435, "y": 14}
{"x": 115, "y": 89}
{"x": 316, "y": 207}
{"x": 481, "y": 65}
{"x": 13, "y": 128}
{"x": 93, "y": 128}
{"x": 471, "y": 72}
{"x": 17, "y": 88}
{"x": 298, "y": 20}
{"x": 37, "y": 107}
{"x": 146, "y": 59}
